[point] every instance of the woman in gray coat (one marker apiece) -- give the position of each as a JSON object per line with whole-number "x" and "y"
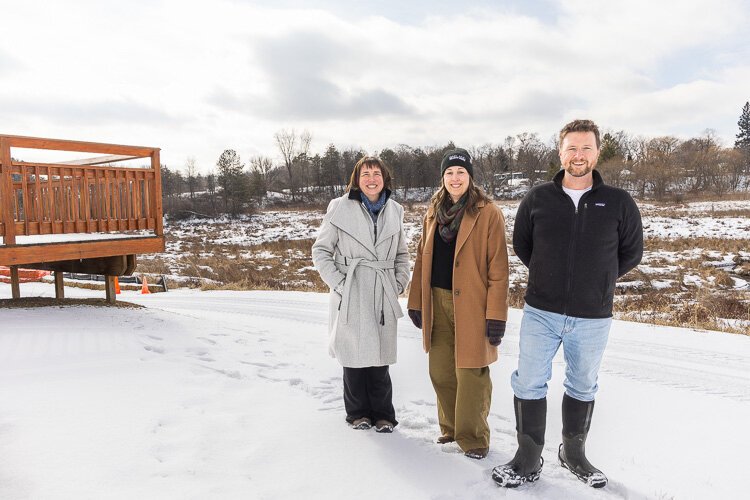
{"x": 361, "y": 254}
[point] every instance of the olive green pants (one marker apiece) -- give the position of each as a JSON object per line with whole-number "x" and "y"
{"x": 463, "y": 394}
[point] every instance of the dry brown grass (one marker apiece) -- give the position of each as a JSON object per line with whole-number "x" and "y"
{"x": 697, "y": 308}
{"x": 717, "y": 277}
{"x": 515, "y": 296}
{"x": 728, "y": 213}
{"x": 743, "y": 270}
{"x": 725, "y": 245}
{"x": 705, "y": 309}
{"x": 705, "y": 197}
{"x": 152, "y": 265}
{"x": 234, "y": 267}
{"x": 676, "y": 213}
{"x": 649, "y": 303}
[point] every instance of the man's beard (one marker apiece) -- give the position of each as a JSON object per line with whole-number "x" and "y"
{"x": 581, "y": 171}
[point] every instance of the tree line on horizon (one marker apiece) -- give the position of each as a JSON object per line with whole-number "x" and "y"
{"x": 659, "y": 168}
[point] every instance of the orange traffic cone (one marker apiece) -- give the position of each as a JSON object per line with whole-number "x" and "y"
{"x": 117, "y": 286}
{"x": 144, "y": 286}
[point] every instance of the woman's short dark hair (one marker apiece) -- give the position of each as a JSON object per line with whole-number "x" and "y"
{"x": 369, "y": 162}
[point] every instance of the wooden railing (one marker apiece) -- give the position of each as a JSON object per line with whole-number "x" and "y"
{"x": 83, "y": 196}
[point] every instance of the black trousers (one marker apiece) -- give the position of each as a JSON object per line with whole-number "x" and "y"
{"x": 368, "y": 392}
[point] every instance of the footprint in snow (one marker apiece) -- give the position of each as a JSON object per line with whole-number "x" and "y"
{"x": 257, "y": 363}
{"x": 228, "y": 373}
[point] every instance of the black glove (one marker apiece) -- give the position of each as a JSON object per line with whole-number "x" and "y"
{"x": 495, "y": 331}
{"x": 416, "y": 317}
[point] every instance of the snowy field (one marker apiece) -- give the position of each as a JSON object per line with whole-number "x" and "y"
{"x": 224, "y": 395}
{"x": 704, "y": 219}
{"x": 695, "y": 270}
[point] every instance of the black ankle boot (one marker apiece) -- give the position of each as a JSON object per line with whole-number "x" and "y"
{"x": 572, "y": 453}
{"x": 526, "y": 466}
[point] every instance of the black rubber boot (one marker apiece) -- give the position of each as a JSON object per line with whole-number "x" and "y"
{"x": 526, "y": 466}
{"x": 572, "y": 453}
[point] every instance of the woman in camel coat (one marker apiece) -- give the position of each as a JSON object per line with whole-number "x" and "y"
{"x": 459, "y": 298}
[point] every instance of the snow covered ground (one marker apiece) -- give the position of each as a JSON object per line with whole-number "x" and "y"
{"x": 232, "y": 395}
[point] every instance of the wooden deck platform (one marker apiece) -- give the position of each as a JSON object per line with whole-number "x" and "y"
{"x": 86, "y": 196}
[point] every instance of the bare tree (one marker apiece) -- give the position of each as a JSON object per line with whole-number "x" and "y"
{"x": 191, "y": 175}
{"x": 403, "y": 167}
{"x": 490, "y": 161}
{"x": 260, "y": 167}
{"x": 294, "y": 150}
{"x": 302, "y": 164}
{"x": 305, "y": 138}
{"x": 286, "y": 140}
{"x": 613, "y": 163}
{"x": 662, "y": 160}
{"x": 699, "y": 159}
{"x": 730, "y": 166}
{"x": 511, "y": 150}
{"x": 533, "y": 157}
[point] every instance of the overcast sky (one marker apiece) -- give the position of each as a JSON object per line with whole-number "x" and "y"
{"x": 195, "y": 78}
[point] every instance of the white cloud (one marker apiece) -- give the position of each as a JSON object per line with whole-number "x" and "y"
{"x": 195, "y": 78}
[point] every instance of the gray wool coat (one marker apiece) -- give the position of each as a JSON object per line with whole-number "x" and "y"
{"x": 365, "y": 276}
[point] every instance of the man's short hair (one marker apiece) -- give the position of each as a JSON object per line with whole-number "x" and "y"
{"x": 580, "y": 126}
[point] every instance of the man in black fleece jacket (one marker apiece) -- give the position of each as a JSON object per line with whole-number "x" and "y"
{"x": 577, "y": 236}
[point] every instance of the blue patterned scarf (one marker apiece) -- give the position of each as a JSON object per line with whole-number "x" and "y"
{"x": 373, "y": 208}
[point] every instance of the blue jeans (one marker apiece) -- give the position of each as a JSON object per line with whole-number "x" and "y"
{"x": 583, "y": 343}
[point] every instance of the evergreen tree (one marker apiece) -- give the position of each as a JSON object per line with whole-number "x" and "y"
{"x": 742, "y": 144}
{"x": 349, "y": 159}
{"x": 743, "y": 136}
{"x": 233, "y": 181}
{"x": 211, "y": 188}
{"x": 171, "y": 182}
{"x": 330, "y": 172}
{"x": 391, "y": 162}
{"x": 609, "y": 149}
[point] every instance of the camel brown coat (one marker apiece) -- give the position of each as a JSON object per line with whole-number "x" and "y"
{"x": 480, "y": 282}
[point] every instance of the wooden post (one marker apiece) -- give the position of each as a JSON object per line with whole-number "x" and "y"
{"x": 109, "y": 286}
{"x": 156, "y": 199}
{"x": 14, "y": 287}
{"x": 59, "y": 285}
{"x": 6, "y": 194}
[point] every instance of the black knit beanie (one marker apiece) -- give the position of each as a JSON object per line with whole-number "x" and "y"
{"x": 458, "y": 157}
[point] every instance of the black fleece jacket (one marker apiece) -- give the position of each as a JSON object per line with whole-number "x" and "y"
{"x": 575, "y": 254}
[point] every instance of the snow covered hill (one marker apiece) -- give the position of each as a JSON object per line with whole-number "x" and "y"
{"x": 232, "y": 395}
